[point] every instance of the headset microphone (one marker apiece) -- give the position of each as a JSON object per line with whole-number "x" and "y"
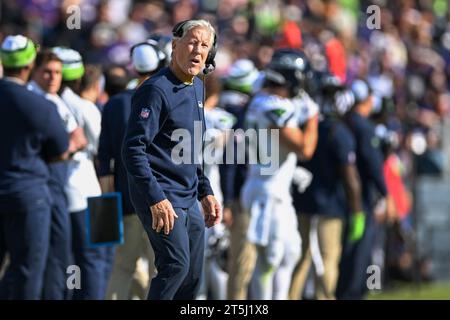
{"x": 209, "y": 68}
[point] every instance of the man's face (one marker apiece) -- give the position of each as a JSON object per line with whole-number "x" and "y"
{"x": 49, "y": 76}
{"x": 190, "y": 52}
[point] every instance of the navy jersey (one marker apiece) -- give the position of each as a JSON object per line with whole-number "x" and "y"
{"x": 161, "y": 105}
{"x": 232, "y": 175}
{"x": 369, "y": 157}
{"x": 31, "y": 132}
{"x": 325, "y": 195}
{"x": 114, "y": 123}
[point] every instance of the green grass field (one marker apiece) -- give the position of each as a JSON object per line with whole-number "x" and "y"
{"x": 433, "y": 291}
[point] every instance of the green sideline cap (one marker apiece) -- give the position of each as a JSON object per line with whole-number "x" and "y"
{"x": 17, "y": 51}
{"x": 73, "y": 67}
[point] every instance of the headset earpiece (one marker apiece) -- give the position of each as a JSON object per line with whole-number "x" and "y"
{"x": 177, "y": 30}
{"x": 210, "y": 64}
{"x": 160, "y": 54}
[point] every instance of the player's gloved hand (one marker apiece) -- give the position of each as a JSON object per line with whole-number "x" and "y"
{"x": 357, "y": 226}
{"x": 302, "y": 178}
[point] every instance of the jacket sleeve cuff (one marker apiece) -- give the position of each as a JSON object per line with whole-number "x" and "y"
{"x": 204, "y": 191}
{"x": 154, "y": 196}
{"x": 104, "y": 169}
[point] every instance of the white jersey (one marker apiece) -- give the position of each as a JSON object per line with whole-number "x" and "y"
{"x": 273, "y": 223}
{"x": 217, "y": 121}
{"x": 83, "y": 182}
{"x": 265, "y": 112}
{"x": 63, "y": 110}
{"x": 306, "y": 109}
{"x": 88, "y": 117}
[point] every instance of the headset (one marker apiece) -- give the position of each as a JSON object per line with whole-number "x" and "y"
{"x": 164, "y": 42}
{"x": 210, "y": 64}
{"x": 161, "y": 55}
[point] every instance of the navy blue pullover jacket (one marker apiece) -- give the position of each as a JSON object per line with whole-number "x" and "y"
{"x": 161, "y": 105}
{"x": 326, "y": 194}
{"x": 114, "y": 123}
{"x": 31, "y": 132}
{"x": 232, "y": 176}
{"x": 369, "y": 158}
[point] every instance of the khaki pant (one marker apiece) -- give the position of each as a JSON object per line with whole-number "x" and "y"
{"x": 127, "y": 278}
{"x": 329, "y": 232}
{"x": 242, "y": 256}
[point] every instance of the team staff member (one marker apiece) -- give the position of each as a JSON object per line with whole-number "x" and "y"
{"x": 168, "y": 101}
{"x": 32, "y": 133}
{"x": 146, "y": 59}
{"x": 356, "y": 257}
{"x": 46, "y": 81}
{"x": 217, "y": 122}
{"x": 83, "y": 182}
{"x": 334, "y": 188}
{"x": 239, "y": 85}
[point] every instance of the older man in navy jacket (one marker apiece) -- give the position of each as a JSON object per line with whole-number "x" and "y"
{"x": 164, "y": 193}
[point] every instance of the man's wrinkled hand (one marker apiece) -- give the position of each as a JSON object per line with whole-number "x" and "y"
{"x": 163, "y": 216}
{"x": 211, "y": 211}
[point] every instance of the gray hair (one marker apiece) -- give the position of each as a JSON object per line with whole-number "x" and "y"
{"x": 197, "y": 23}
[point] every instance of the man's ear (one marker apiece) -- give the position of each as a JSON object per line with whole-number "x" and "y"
{"x": 174, "y": 44}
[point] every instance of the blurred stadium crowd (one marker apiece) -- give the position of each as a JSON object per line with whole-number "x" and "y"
{"x": 399, "y": 69}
